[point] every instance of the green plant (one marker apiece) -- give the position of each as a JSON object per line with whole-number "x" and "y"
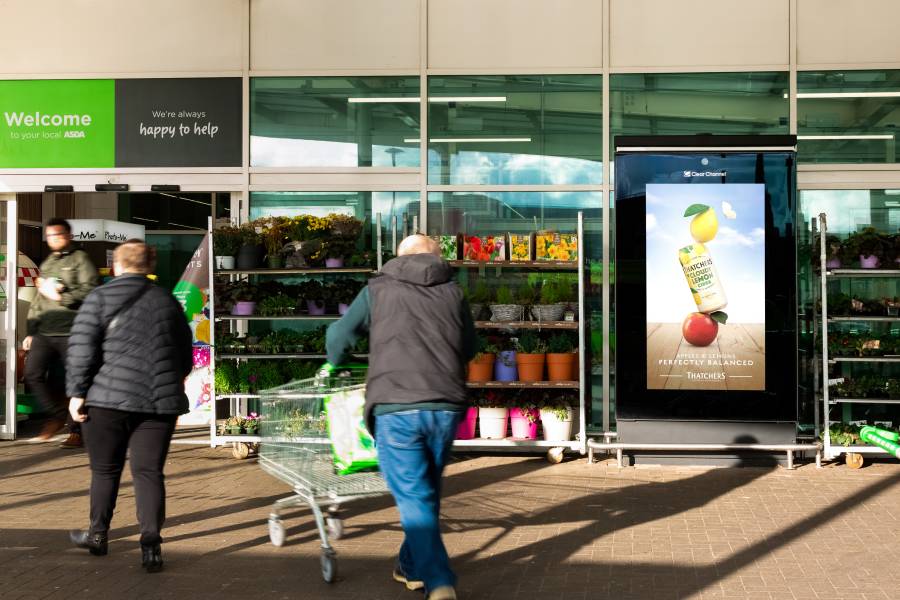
{"x": 490, "y": 399}
{"x": 307, "y": 227}
{"x": 529, "y": 404}
{"x": 279, "y": 305}
{"x": 345, "y": 231}
{"x": 867, "y": 242}
{"x": 565, "y": 289}
{"x": 549, "y": 293}
{"x": 344, "y": 291}
{"x": 226, "y": 241}
{"x": 481, "y": 294}
{"x": 504, "y": 295}
{"x": 312, "y": 290}
{"x": 484, "y": 345}
{"x": 560, "y": 343}
{"x": 268, "y": 375}
{"x": 531, "y": 343}
{"x": 240, "y": 291}
{"x": 273, "y": 233}
{"x": 558, "y": 405}
{"x": 225, "y": 377}
{"x": 293, "y": 370}
{"x": 843, "y": 434}
{"x": 249, "y": 235}
{"x": 525, "y": 294}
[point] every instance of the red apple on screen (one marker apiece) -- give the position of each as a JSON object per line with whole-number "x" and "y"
{"x": 699, "y": 329}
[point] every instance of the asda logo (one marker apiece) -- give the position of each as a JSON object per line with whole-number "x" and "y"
{"x": 38, "y": 119}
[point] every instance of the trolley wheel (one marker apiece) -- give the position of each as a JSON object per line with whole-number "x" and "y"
{"x": 335, "y": 527}
{"x": 555, "y": 455}
{"x": 277, "y": 533}
{"x": 854, "y": 460}
{"x": 329, "y": 566}
{"x": 240, "y": 450}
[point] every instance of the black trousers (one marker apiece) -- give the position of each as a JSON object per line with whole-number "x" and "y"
{"x": 43, "y": 367}
{"x": 108, "y": 435}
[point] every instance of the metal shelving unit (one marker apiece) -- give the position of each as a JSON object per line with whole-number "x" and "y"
{"x": 279, "y": 318}
{"x": 582, "y": 385}
{"x": 853, "y": 454}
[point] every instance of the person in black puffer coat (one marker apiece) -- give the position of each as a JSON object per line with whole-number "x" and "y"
{"x": 129, "y": 354}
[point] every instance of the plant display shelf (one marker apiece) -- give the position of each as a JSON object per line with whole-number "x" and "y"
{"x": 853, "y": 454}
{"x": 524, "y": 385}
{"x": 514, "y": 445}
{"x": 863, "y": 273}
{"x": 517, "y": 264}
{"x": 526, "y": 324}
{"x": 278, "y": 318}
{"x": 310, "y": 271}
{"x": 243, "y": 356}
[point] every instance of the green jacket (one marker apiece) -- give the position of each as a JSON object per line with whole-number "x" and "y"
{"x": 73, "y": 268}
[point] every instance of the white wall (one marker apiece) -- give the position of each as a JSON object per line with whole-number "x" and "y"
{"x": 515, "y": 34}
{"x": 317, "y": 35}
{"x": 120, "y": 36}
{"x": 653, "y": 34}
{"x": 837, "y": 32}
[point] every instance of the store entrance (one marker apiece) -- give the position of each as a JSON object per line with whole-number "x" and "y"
{"x": 8, "y": 306}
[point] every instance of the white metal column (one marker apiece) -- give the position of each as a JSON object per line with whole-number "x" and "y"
{"x": 8, "y": 429}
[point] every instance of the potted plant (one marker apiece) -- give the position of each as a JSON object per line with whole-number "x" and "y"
{"x": 344, "y": 292}
{"x": 225, "y": 377}
{"x": 549, "y": 308}
{"x": 505, "y": 368}
{"x": 523, "y": 418}
{"x": 233, "y": 425}
{"x": 525, "y": 297}
{"x": 280, "y": 305}
{"x": 251, "y": 424}
{"x": 480, "y": 296}
{"x": 242, "y": 296}
{"x": 251, "y": 252}
{"x": 556, "y": 419}
{"x": 492, "y": 416}
{"x": 226, "y": 243}
{"x": 504, "y": 307}
{"x": 869, "y": 246}
{"x": 833, "y": 252}
{"x": 314, "y": 294}
{"x": 481, "y": 368}
{"x": 274, "y": 237}
{"x": 466, "y": 428}
{"x": 561, "y": 357}
{"x": 344, "y": 231}
{"x": 530, "y": 357}
{"x": 566, "y": 294}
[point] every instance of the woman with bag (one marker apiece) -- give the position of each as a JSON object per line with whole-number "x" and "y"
{"x": 129, "y": 354}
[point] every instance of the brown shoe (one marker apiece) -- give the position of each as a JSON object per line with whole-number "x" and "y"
{"x": 51, "y": 428}
{"x": 73, "y": 441}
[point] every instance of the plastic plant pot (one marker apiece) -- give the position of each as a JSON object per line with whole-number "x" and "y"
{"x": 343, "y": 308}
{"x": 492, "y": 422}
{"x": 556, "y": 429}
{"x": 334, "y": 263}
{"x": 243, "y": 308}
{"x": 868, "y": 262}
{"x": 522, "y": 428}
{"x": 466, "y": 429}
{"x": 505, "y": 366}
{"x": 315, "y": 308}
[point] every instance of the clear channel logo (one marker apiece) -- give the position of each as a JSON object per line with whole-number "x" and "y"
{"x": 705, "y": 173}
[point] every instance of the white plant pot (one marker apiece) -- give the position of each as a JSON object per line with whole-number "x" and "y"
{"x": 492, "y": 423}
{"x": 225, "y": 262}
{"x": 556, "y": 430}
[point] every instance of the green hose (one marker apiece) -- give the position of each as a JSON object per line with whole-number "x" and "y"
{"x": 884, "y": 439}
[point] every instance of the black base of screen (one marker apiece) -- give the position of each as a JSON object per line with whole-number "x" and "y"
{"x": 706, "y": 432}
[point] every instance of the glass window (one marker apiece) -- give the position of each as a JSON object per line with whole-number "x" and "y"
{"x": 173, "y": 253}
{"x": 848, "y": 116}
{"x": 515, "y": 130}
{"x": 334, "y": 122}
{"x": 692, "y": 103}
{"x": 363, "y": 205}
{"x": 166, "y": 211}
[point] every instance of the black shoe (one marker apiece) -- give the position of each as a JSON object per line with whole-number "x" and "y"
{"x": 96, "y": 543}
{"x": 151, "y": 558}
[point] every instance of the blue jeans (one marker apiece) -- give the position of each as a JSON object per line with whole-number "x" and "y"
{"x": 413, "y": 448}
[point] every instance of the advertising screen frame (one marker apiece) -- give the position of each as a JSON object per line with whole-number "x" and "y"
{"x": 770, "y": 160}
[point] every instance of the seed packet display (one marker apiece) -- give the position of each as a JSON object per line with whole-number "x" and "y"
{"x": 491, "y": 248}
{"x": 520, "y": 246}
{"x": 556, "y": 246}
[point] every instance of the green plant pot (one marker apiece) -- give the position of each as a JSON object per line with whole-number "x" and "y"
{"x": 232, "y": 431}
{"x": 274, "y": 262}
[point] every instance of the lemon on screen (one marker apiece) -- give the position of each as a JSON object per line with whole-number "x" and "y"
{"x": 705, "y": 225}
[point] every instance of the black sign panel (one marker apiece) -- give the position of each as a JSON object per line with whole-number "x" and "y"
{"x": 178, "y": 122}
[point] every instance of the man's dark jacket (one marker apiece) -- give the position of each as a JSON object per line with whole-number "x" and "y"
{"x": 421, "y": 335}
{"x": 130, "y": 349}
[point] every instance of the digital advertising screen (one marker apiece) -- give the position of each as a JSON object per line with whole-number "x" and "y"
{"x": 705, "y": 284}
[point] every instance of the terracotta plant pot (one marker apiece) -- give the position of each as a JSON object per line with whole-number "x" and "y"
{"x": 531, "y": 366}
{"x": 561, "y": 367}
{"x": 481, "y": 368}
{"x": 466, "y": 429}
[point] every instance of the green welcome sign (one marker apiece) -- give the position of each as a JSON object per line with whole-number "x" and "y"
{"x": 57, "y": 123}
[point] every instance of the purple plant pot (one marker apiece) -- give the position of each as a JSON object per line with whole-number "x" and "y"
{"x": 521, "y": 427}
{"x": 834, "y": 263}
{"x": 243, "y": 308}
{"x": 868, "y": 262}
{"x": 315, "y": 308}
{"x": 334, "y": 263}
{"x": 466, "y": 429}
{"x": 343, "y": 308}
{"x": 505, "y": 368}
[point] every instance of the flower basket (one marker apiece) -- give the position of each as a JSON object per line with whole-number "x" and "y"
{"x": 466, "y": 428}
{"x": 507, "y": 312}
{"x": 548, "y": 312}
{"x": 523, "y": 422}
{"x": 492, "y": 422}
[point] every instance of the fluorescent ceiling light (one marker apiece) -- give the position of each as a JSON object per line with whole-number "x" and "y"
{"x": 416, "y": 100}
{"x": 479, "y": 140}
{"x": 467, "y": 99}
{"x": 396, "y": 100}
{"x": 846, "y": 137}
{"x": 849, "y": 95}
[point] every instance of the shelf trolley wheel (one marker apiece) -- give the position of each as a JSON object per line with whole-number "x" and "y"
{"x": 335, "y": 527}
{"x": 555, "y": 455}
{"x": 854, "y": 460}
{"x": 240, "y": 450}
{"x": 277, "y": 533}
{"x": 329, "y": 565}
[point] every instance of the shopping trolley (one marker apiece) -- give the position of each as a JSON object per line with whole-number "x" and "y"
{"x": 296, "y": 449}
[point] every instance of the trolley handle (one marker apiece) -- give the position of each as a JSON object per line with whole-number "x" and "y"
{"x": 328, "y": 371}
